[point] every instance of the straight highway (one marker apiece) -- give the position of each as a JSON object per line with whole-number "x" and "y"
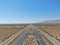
{"x": 34, "y": 32}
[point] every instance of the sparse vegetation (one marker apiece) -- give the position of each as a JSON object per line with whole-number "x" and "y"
{"x": 52, "y": 30}
{"x": 30, "y": 40}
{"x": 7, "y": 31}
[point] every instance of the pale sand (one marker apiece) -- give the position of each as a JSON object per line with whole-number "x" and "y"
{"x": 30, "y": 40}
{"x": 7, "y": 31}
{"x": 53, "y": 30}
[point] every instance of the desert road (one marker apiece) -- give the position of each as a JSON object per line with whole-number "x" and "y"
{"x": 34, "y": 32}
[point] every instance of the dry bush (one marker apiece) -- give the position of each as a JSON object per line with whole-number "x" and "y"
{"x": 7, "y": 31}
{"x": 52, "y": 30}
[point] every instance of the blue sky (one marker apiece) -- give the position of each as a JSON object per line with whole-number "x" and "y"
{"x": 29, "y": 11}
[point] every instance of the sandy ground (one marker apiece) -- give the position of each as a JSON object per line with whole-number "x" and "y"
{"x": 7, "y": 31}
{"x": 30, "y": 40}
{"x": 52, "y": 30}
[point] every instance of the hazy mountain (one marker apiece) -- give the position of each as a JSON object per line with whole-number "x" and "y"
{"x": 51, "y": 22}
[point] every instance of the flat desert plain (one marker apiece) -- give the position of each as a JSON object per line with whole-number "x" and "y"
{"x": 7, "y": 31}
{"x": 52, "y": 30}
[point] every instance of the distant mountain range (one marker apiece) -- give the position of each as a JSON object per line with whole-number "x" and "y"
{"x": 51, "y": 22}
{"x": 48, "y": 22}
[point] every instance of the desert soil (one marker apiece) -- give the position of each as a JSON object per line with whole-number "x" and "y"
{"x": 7, "y": 31}
{"x": 30, "y": 40}
{"x": 52, "y": 30}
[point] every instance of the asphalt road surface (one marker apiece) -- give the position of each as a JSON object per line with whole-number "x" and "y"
{"x": 35, "y": 32}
